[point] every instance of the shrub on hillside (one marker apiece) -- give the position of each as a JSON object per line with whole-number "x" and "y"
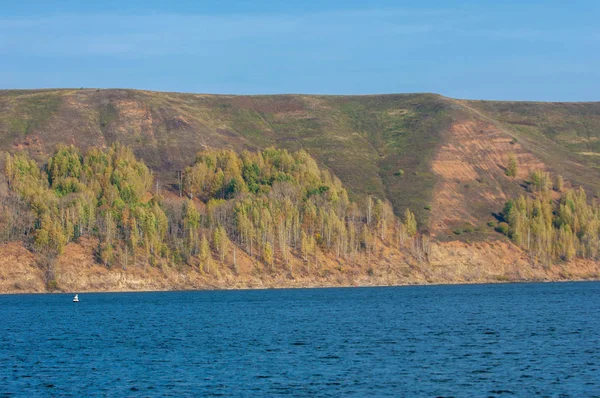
{"x": 502, "y": 228}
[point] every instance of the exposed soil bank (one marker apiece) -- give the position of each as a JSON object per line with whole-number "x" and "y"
{"x": 450, "y": 263}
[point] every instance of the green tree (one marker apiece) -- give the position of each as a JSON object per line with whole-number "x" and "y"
{"x": 205, "y": 255}
{"x": 512, "y": 167}
{"x": 268, "y": 254}
{"x": 559, "y": 183}
{"x": 411, "y": 223}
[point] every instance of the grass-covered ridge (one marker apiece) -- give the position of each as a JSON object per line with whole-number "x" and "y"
{"x": 565, "y": 136}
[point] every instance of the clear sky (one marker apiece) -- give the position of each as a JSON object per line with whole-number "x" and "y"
{"x": 512, "y": 50}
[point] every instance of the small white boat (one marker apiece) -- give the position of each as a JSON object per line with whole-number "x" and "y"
{"x": 76, "y": 299}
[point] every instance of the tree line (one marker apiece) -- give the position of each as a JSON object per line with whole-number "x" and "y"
{"x": 553, "y": 229}
{"x": 272, "y": 204}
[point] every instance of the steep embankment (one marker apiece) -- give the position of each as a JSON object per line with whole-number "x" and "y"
{"x": 450, "y": 262}
{"x": 443, "y": 158}
{"x": 472, "y": 183}
{"x": 470, "y": 166}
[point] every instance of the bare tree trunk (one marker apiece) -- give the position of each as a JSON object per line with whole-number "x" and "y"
{"x": 180, "y": 182}
{"x": 126, "y": 256}
{"x": 235, "y": 267}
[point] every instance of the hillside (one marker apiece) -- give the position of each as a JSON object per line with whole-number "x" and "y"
{"x": 444, "y": 159}
{"x": 363, "y": 140}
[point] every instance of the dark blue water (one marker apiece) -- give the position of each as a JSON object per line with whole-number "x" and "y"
{"x": 485, "y": 340}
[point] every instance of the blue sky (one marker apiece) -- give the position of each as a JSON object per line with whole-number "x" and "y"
{"x": 479, "y": 50}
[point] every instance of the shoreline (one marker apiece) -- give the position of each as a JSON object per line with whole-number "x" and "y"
{"x": 453, "y": 263}
{"x": 292, "y": 287}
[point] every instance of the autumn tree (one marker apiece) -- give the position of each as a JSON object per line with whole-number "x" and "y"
{"x": 512, "y": 167}
{"x": 410, "y": 222}
{"x": 270, "y": 204}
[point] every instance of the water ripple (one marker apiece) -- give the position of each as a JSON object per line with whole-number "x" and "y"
{"x": 487, "y": 340}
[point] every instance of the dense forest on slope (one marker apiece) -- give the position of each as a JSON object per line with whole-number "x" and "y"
{"x": 273, "y": 204}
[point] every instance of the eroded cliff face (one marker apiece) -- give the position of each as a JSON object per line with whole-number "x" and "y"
{"x": 18, "y": 270}
{"x": 471, "y": 181}
{"x": 448, "y": 263}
